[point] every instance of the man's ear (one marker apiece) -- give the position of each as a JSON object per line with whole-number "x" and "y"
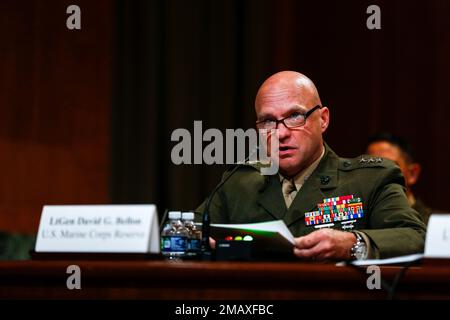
{"x": 414, "y": 170}
{"x": 324, "y": 118}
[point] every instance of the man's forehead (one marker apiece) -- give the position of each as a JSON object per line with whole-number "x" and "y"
{"x": 283, "y": 109}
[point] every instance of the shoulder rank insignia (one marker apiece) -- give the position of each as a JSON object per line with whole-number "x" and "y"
{"x": 343, "y": 209}
{"x": 368, "y": 160}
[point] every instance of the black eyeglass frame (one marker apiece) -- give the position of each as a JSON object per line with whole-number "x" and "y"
{"x": 305, "y": 116}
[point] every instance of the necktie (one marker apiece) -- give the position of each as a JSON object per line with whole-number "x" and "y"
{"x": 289, "y": 193}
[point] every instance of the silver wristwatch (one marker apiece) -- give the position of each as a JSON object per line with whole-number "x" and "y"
{"x": 359, "y": 249}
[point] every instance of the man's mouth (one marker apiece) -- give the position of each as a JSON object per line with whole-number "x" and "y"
{"x": 286, "y": 150}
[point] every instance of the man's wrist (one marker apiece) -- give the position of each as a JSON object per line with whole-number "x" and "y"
{"x": 359, "y": 250}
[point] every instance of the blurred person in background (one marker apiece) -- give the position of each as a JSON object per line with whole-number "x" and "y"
{"x": 399, "y": 150}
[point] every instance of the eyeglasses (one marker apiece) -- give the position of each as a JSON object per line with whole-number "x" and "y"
{"x": 293, "y": 120}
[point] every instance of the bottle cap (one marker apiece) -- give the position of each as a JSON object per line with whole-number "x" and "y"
{"x": 174, "y": 215}
{"x": 188, "y": 216}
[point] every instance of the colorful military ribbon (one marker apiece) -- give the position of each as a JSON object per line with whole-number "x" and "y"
{"x": 335, "y": 210}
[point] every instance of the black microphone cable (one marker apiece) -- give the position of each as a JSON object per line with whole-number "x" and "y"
{"x": 206, "y": 220}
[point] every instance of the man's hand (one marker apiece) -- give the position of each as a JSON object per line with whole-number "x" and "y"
{"x": 325, "y": 244}
{"x": 212, "y": 243}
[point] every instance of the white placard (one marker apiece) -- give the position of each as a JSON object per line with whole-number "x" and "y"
{"x": 99, "y": 228}
{"x": 437, "y": 244}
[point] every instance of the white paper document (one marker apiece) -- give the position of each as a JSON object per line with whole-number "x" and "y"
{"x": 270, "y": 238}
{"x": 277, "y": 226}
{"x": 394, "y": 260}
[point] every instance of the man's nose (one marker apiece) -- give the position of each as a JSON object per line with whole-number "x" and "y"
{"x": 283, "y": 131}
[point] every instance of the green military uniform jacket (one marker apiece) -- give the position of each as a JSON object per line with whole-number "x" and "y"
{"x": 393, "y": 227}
{"x": 422, "y": 209}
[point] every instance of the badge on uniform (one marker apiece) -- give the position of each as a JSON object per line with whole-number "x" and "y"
{"x": 344, "y": 209}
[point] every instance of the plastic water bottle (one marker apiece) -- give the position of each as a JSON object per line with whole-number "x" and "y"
{"x": 194, "y": 235}
{"x": 174, "y": 237}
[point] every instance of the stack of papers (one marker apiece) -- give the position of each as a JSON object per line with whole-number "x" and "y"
{"x": 272, "y": 237}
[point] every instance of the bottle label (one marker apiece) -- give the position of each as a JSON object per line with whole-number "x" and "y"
{"x": 173, "y": 244}
{"x": 194, "y": 245}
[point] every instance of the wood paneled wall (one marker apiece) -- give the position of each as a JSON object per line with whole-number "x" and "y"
{"x": 55, "y": 87}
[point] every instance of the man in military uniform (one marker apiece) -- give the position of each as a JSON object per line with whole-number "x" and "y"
{"x": 336, "y": 208}
{"x": 399, "y": 150}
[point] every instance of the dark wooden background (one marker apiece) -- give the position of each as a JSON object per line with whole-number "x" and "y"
{"x": 55, "y": 107}
{"x": 86, "y": 116}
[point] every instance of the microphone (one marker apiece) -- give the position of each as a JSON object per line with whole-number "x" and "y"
{"x": 206, "y": 220}
{"x": 163, "y": 219}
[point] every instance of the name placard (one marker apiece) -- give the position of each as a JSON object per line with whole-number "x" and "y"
{"x": 437, "y": 243}
{"x": 99, "y": 228}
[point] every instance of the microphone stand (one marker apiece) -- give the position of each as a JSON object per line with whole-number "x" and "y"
{"x": 206, "y": 252}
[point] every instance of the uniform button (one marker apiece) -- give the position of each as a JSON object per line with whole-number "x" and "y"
{"x": 347, "y": 164}
{"x": 324, "y": 179}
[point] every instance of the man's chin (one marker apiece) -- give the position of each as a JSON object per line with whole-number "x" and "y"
{"x": 288, "y": 169}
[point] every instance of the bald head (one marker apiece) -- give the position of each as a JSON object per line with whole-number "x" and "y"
{"x": 287, "y": 95}
{"x": 290, "y": 84}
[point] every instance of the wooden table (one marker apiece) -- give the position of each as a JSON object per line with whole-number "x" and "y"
{"x": 213, "y": 280}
